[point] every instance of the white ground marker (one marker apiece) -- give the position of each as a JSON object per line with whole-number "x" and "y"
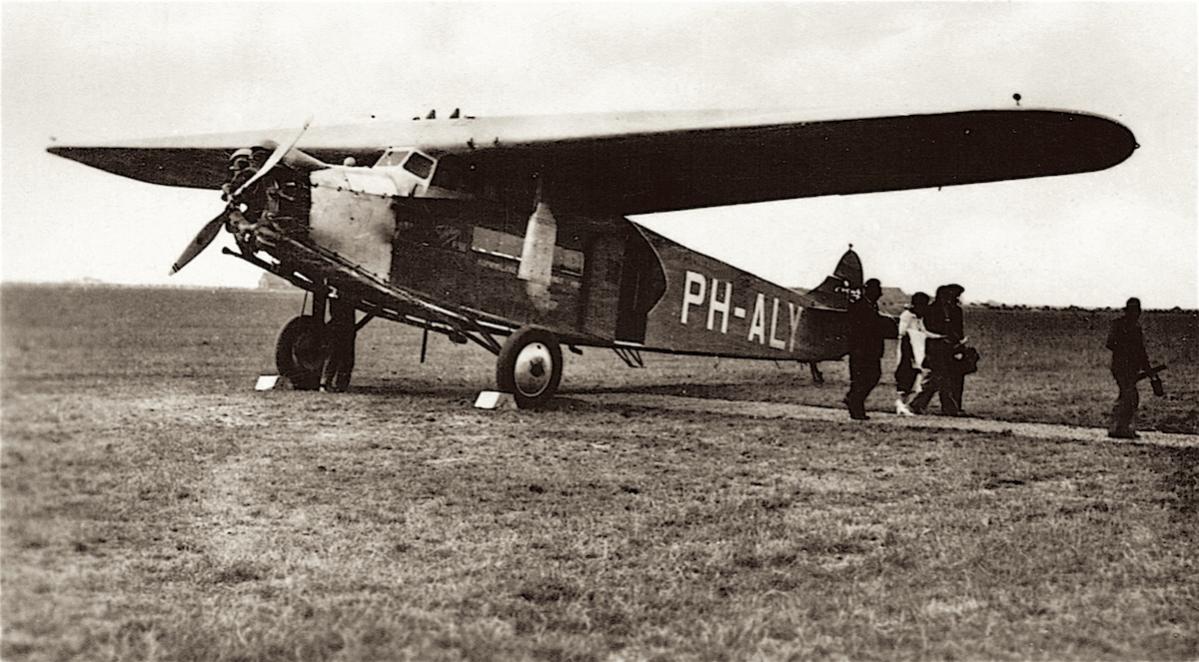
{"x": 494, "y": 400}
{"x": 269, "y": 383}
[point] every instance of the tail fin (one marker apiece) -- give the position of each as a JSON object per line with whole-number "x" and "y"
{"x": 833, "y": 292}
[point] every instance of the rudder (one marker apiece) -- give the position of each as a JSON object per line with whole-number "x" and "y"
{"x": 832, "y": 293}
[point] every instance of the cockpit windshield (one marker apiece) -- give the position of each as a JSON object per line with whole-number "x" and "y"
{"x": 392, "y": 157}
{"x": 411, "y": 160}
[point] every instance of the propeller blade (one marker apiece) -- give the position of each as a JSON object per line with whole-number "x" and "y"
{"x": 213, "y": 227}
{"x": 203, "y": 238}
{"x": 273, "y": 161}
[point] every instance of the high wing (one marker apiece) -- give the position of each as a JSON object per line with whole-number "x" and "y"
{"x": 638, "y": 163}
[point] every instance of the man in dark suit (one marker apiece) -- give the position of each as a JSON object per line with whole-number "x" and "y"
{"x": 866, "y": 333}
{"x": 1130, "y": 362}
{"x": 342, "y": 334}
{"x": 944, "y": 319}
{"x": 956, "y": 379}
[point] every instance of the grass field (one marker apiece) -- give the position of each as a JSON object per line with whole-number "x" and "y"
{"x": 154, "y": 507}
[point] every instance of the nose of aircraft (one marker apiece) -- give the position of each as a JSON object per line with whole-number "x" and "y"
{"x": 212, "y": 228}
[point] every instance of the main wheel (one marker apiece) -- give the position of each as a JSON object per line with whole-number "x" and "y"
{"x": 530, "y": 367}
{"x": 300, "y": 352}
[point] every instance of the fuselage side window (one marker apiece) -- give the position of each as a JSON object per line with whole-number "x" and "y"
{"x": 502, "y": 244}
{"x": 492, "y": 242}
{"x": 419, "y": 165}
{"x": 450, "y": 174}
{"x": 568, "y": 260}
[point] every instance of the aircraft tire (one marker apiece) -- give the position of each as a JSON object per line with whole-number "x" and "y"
{"x": 521, "y": 367}
{"x": 300, "y": 352}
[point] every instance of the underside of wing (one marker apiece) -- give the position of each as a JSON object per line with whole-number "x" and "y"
{"x": 703, "y": 168}
{"x": 189, "y": 167}
{"x": 202, "y": 161}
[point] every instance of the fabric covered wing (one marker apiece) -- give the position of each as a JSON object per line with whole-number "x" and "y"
{"x": 652, "y": 162}
{"x": 689, "y": 169}
{"x": 202, "y": 161}
{"x": 191, "y": 167}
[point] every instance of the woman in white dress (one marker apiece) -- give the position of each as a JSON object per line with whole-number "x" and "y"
{"x": 909, "y": 368}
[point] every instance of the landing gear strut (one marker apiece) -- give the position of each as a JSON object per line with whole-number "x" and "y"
{"x": 312, "y": 353}
{"x": 530, "y": 367}
{"x": 817, "y": 376}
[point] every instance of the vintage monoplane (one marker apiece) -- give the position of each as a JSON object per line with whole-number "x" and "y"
{"x": 512, "y": 232}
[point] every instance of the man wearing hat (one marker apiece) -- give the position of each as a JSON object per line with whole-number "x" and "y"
{"x": 866, "y": 333}
{"x": 240, "y": 171}
{"x": 957, "y": 332}
{"x": 1129, "y": 362}
{"x": 944, "y": 320}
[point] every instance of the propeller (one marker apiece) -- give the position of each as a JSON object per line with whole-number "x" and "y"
{"x": 273, "y": 161}
{"x": 211, "y": 229}
{"x": 203, "y": 238}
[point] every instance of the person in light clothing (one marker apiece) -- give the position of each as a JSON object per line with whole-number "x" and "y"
{"x": 910, "y": 369}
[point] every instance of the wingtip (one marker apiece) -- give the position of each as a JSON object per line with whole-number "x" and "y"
{"x": 1120, "y": 143}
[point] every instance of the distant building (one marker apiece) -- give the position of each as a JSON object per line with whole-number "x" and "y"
{"x": 893, "y": 300}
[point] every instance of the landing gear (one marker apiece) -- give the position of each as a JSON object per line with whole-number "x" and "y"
{"x": 530, "y": 367}
{"x": 301, "y": 351}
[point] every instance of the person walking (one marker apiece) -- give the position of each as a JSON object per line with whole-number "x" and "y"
{"x": 939, "y": 349}
{"x": 1130, "y": 362}
{"x": 956, "y": 378}
{"x": 866, "y": 333}
{"x": 910, "y": 369}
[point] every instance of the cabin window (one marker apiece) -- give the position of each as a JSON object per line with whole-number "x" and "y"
{"x": 568, "y": 260}
{"x": 450, "y": 174}
{"x": 503, "y": 244}
{"x": 419, "y": 165}
{"x": 486, "y": 240}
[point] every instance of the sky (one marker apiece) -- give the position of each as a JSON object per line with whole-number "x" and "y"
{"x": 85, "y": 73}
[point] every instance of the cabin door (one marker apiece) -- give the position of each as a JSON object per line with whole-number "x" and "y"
{"x": 603, "y": 265}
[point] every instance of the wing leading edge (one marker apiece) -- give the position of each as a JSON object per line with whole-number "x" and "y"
{"x": 652, "y": 163}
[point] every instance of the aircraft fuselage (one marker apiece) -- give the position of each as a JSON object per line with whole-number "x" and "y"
{"x": 608, "y": 281}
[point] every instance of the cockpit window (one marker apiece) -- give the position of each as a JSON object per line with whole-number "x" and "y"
{"x": 392, "y": 157}
{"x": 419, "y": 165}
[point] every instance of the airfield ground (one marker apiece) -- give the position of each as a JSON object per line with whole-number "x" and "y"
{"x": 154, "y": 507}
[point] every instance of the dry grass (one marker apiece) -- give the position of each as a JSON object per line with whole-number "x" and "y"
{"x": 155, "y": 508}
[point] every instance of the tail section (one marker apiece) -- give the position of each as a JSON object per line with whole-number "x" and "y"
{"x": 833, "y": 292}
